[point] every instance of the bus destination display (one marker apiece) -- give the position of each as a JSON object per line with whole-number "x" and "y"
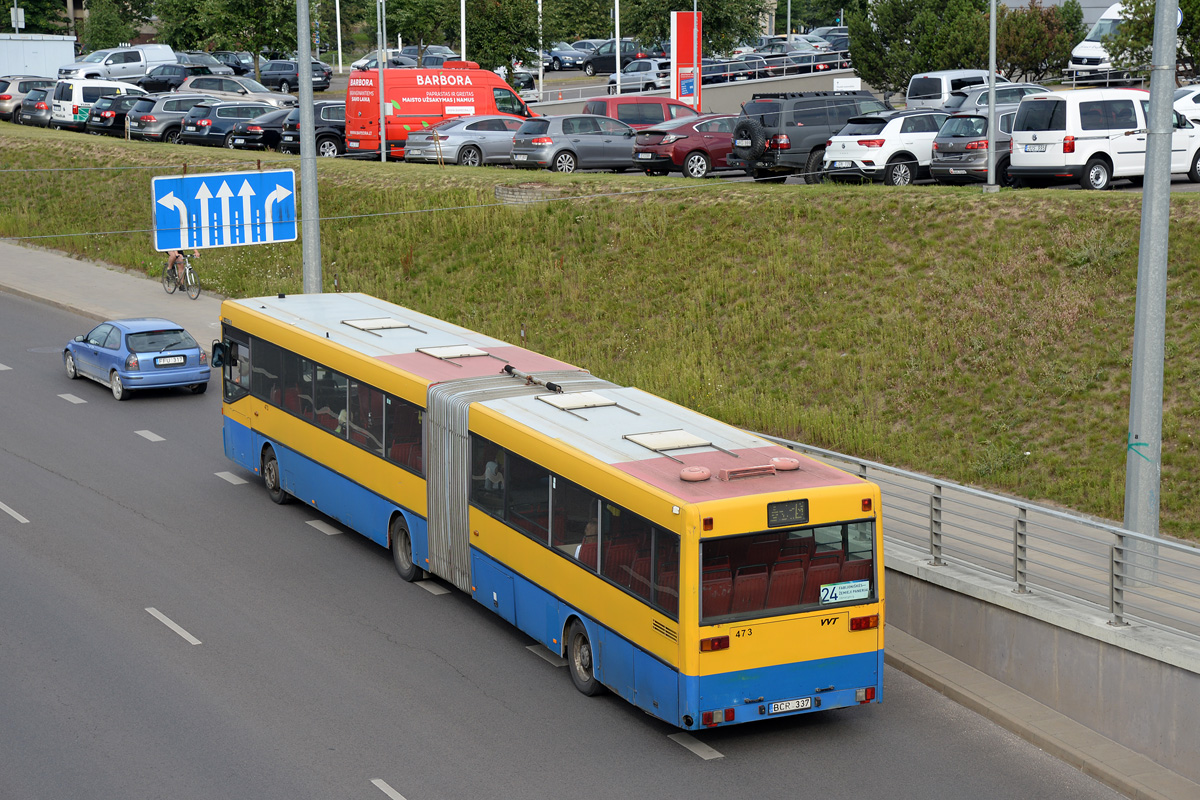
{"x": 788, "y": 512}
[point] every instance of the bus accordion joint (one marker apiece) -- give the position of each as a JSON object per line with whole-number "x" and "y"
{"x": 864, "y": 623}
{"x": 531, "y": 380}
{"x": 714, "y": 643}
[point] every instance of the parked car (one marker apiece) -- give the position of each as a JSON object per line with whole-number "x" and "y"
{"x": 159, "y": 117}
{"x": 695, "y": 146}
{"x": 35, "y": 108}
{"x": 370, "y": 63}
{"x": 719, "y": 70}
{"x": 587, "y": 46}
{"x": 604, "y": 59}
{"x": 467, "y": 141}
{"x": 643, "y": 75}
{"x": 415, "y": 51}
{"x": 108, "y": 114}
{"x": 240, "y": 61}
{"x": 142, "y": 353}
{"x": 638, "y": 112}
{"x": 893, "y": 146}
{"x": 564, "y": 56}
{"x": 839, "y": 44}
{"x": 285, "y": 76}
{"x": 360, "y": 63}
{"x": 211, "y": 123}
{"x": 784, "y": 133}
{"x": 118, "y": 63}
{"x": 1187, "y": 102}
{"x": 932, "y": 89}
{"x": 817, "y": 42}
{"x": 960, "y": 149}
{"x": 74, "y": 98}
{"x": 329, "y": 119}
{"x": 13, "y": 89}
{"x": 783, "y": 46}
{"x": 261, "y": 133}
{"x": 975, "y": 99}
{"x": 825, "y": 31}
{"x": 755, "y": 64}
{"x": 232, "y": 87}
{"x": 437, "y": 60}
{"x": 169, "y": 77}
{"x": 573, "y": 141}
{"x": 198, "y": 58}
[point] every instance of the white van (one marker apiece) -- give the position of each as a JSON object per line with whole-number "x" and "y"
{"x": 74, "y": 98}
{"x": 932, "y": 89}
{"x": 1093, "y": 136}
{"x": 1089, "y": 59}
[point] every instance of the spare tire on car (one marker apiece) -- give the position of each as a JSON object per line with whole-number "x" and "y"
{"x": 748, "y": 129}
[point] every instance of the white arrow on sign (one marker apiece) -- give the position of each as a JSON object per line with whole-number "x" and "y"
{"x": 223, "y": 194}
{"x": 171, "y": 201}
{"x": 245, "y": 193}
{"x": 274, "y": 197}
{"x": 204, "y": 195}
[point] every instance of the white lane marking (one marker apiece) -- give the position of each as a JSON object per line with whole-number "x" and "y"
{"x": 70, "y": 398}
{"x": 382, "y": 786}
{"x": 150, "y": 435}
{"x": 543, "y": 652}
{"x": 229, "y": 476}
{"x": 161, "y": 617}
{"x": 4, "y": 367}
{"x": 323, "y": 526}
{"x": 12, "y": 513}
{"x": 695, "y": 745}
{"x": 433, "y": 587}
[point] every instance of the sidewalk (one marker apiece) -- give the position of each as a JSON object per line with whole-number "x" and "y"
{"x": 100, "y": 293}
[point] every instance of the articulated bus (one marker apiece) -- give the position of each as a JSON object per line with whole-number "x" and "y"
{"x": 704, "y": 574}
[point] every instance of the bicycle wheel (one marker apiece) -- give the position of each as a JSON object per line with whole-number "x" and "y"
{"x": 193, "y": 285}
{"x": 168, "y": 279}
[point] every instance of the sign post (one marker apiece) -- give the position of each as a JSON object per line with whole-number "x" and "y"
{"x": 686, "y": 62}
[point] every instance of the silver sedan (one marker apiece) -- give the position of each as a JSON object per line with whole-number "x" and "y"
{"x": 469, "y": 141}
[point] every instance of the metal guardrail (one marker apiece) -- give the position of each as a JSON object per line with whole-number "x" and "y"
{"x": 1128, "y": 576}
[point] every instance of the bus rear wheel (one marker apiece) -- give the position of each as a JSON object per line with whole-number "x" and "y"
{"x": 579, "y": 659}
{"x": 270, "y": 473}
{"x": 402, "y": 550}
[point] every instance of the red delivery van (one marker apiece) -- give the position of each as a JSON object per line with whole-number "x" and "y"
{"x": 418, "y": 98}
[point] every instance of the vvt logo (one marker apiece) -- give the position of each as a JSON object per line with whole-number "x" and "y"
{"x": 829, "y": 621}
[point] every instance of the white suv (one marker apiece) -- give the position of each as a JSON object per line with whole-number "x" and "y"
{"x": 642, "y": 75}
{"x": 895, "y": 147}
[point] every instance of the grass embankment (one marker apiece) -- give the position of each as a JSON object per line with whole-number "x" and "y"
{"x": 983, "y": 338}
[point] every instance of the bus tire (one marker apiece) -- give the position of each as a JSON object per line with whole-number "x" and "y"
{"x": 270, "y": 473}
{"x": 401, "y": 545}
{"x": 579, "y": 660}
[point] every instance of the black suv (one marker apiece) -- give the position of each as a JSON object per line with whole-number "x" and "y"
{"x": 285, "y": 76}
{"x": 785, "y": 133}
{"x": 330, "y": 119}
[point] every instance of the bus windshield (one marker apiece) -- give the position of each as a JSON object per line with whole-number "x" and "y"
{"x": 787, "y": 571}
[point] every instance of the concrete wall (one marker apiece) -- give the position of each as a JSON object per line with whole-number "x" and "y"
{"x": 1135, "y": 685}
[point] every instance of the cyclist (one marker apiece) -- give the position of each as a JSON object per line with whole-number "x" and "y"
{"x": 175, "y": 264}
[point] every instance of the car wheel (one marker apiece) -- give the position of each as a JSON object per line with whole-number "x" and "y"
{"x": 612, "y": 88}
{"x": 589, "y": 69}
{"x": 327, "y": 148}
{"x": 171, "y": 136}
{"x": 564, "y": 162}
{"x": 696, "y": 165}
{"x": 1194, "y": 172}
{"x": 69, "y": 361}
{"x": 470, "y": 157}
{"x": 1096, "y": 175}
{"x": 229, "y": 141}
{"x": 270, "y": 473}
{"x": 118, "y": 388}
{"x": 16, "y": 117}
{"x": 401, "y": 546}
{"x": 898, "y": 173}
{"x": 814, "y": 167}
{"x": 1003, "y": 176}
{"x": 199, "y": 388}
{"x": 284, "y": 87}
{"x": 579, "y": 660}
{"x": 556, "y": 65}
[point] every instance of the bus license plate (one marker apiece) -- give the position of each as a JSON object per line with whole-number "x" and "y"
{"x": 741, "y": 142}
{"x": 841, "y": 165}
{"x": 1035, "y": 148}
{"x": 166, "y": 361}
{"x": 784, "y": 706}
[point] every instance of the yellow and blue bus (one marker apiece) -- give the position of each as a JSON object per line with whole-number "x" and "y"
{"x": 704, "y": 574}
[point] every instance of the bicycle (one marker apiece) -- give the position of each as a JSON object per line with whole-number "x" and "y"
{"x": 171, "y": 280}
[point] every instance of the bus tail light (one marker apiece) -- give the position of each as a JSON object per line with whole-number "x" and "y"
{"x": 708, "y": 523}
{"x": 131, "y": 363}
{"x": 714, "y": 643}
{"x": 1068, "y": 144}
{"x": 866, "y": 504}
{"x": 865, "y": 695}
{"x": 711, "y": 718}
{"x": 864, "y": 623}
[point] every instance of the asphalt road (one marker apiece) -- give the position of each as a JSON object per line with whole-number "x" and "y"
{"x": 318, "y": 672}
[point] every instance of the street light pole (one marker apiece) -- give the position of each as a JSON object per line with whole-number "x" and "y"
{"x": 310, "y": 212}
{"x": 991, "y": 140}
{"x": 381, "y": 38}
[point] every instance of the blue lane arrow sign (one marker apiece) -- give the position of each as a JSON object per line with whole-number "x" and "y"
{"x": 202, "y": 211}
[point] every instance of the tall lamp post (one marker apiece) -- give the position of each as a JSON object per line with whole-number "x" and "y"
{"x": 310, "y": 212}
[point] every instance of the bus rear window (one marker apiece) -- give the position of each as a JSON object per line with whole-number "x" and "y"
{"x": 783, "y": 572}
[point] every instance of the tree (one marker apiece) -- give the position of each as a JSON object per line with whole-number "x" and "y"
{"x": 423, "y": 22}
{"x": 105, "y": 26}
{"x": 183, "y": 24}
{"x": 253, "y": 25}
{"x": 577, "y": 19}
{"x": 727, "y": 23}
{"x": 809, "y": 14}
{"x": 1035, "y": 42}
{"x": 44, "y": 16}
{"x": 500, "y": 32}
{"x": 1131, "y": 46}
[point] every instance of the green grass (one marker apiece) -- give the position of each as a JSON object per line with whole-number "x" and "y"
{"x": 982, "y": 338}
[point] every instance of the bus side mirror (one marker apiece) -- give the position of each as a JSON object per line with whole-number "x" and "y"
{"x": 220, "y": 354}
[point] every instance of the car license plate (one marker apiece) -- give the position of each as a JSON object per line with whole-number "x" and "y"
{"x": 352, "y": 144}
{"x": 520, "y": 157}
{"x": 239, "y": 141}
{"x": 841, "y": 165}
{"x": 958, "y": 172}
{"x": 741, "y": 142}
{"x": 413, "y": 152}
{"x": 645, "y": 155}
{"x": 190, "y": 128}
{"x": 784, "y": 706}
{"x": 167, "y": 361}
{"x": 133, "y": 123}
{"x": 1035, "y": 148}
{"x": 289, "y": 138}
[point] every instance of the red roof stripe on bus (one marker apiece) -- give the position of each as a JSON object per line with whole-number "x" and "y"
{"x": 663, "y": 473}
{"x": 436, "y": 370}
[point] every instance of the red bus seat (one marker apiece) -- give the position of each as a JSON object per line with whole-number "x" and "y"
{"x": 818, "y": 575}
{"x": 787, "y": 584}
{"x": 718, "y": 594}
{"x": 857, "y": 570}
{"x": 749, "y": 589}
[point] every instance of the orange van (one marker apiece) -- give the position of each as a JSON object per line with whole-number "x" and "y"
{"x": 418, "y": 98}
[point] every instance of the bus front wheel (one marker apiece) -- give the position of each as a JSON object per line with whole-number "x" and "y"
{"x": 270, "y": 473}
{"x": 579, "y": 659}
{"x": 402, "y": 551}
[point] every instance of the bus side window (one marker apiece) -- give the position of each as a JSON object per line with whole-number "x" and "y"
{"x": 237, "y": 368}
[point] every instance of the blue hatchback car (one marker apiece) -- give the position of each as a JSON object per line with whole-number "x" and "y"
{"x": 144, "y": 353}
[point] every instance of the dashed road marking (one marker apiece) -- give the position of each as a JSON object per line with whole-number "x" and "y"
{"x": 543, "y": 652}
{"x": 165, "y": 620}
{"x": 70, "y": 398}
{"x": 12, "y": 513}
{"x": 323, "y": 526}
{"x": 382, "y": 786}
{"x": 695, "y": 745}
{"x": 4, "y": 367}
{"x": 150, "y": 436}
{"x": 433, "y": 587}
{"x": 229, "y": 476}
